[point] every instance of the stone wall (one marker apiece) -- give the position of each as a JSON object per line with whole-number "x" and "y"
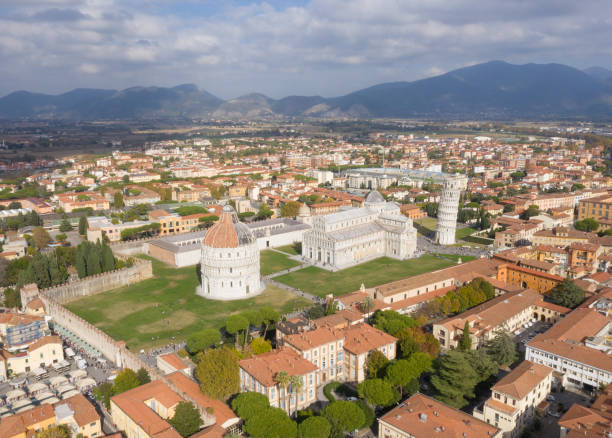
{"x": 132, "y": 247}
{"x": 141, "y": 270}
{"x": 114, "y": 351}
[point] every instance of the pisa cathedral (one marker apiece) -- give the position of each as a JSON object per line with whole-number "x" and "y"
{"x": 356, "y": 235}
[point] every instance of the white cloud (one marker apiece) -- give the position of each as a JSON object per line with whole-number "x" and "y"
{"x": 325, "y": 46}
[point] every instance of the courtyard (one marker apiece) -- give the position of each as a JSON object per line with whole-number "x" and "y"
{"x": 321, "y": 282}
{"x": 165, "y": 308}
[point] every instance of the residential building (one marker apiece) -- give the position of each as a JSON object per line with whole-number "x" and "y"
{"x": 44, "y": 352}
{"x": 73, "y": 200}
{"x": 259, "y": 373}
{"x": 341, "y": 354}
{"x": 514, "y": 399}
{"x": 18, "y": 330}
{"x": 576, "y": 348}
{"x": 527, "y": 277}
{"x": 508, "y": 313}
{"x": 588, "y": 422}
{"x": 423, "y": 417}
{"x": 560, "y": 236}
{"x": 598, "y": 207}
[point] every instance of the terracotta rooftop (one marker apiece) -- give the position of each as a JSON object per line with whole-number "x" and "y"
{"x": 421, "y": 416}
{"x": 361, "y": 338}
{"x": 522, "y": 379}
{"x": 228, "y": 231}
{"x": 264, "y": 367}
{"x": 18, "y": 424}
{"x": 174, "y": 361}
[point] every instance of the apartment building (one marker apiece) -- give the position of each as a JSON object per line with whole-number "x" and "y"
{"x": 172, "y": 223}
{"x": 341, "y": 354}
{"x": 560, "y": 236}
{"x": 259, "y": 373}
{"x": 515, "y": 397}
{"x": 598, "y": 207}
{"x": 143, "y": 412}
{"x": 71, "y": 201}
{"x": 508, "y": 313}
{"x": 43, "y": 352}
{"x": 76, "y": 412}
{"x": 17, "y": 330}
{"x": 577, "y": 349}
{"x": 421, "y": 416}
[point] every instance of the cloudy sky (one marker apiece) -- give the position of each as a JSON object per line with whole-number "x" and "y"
{"x": 281, "y": 47}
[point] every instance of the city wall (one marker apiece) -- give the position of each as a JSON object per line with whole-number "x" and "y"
{"x": 132, "y": 247}
{"x": 141, "y": 270}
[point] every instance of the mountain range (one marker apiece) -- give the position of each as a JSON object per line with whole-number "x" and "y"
{"x": 492, "y": 90}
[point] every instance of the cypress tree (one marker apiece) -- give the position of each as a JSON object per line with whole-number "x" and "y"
{"x": 83, "y": 225}
{"x": 108, "y": 260}
{"x": 465, "y": 343}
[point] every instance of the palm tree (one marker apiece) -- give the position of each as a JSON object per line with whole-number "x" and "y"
{"x": 284, "y": 380}
{"x": 297, "y": 384}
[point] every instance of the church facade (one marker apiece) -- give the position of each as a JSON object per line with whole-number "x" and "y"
{"x": 355, "y": 235}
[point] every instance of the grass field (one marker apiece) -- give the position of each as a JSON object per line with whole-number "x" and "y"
{"x": 272, "y": 261}
{"x": 289, "y": 249}
{"x": 430, "y": 224}
{"x": 151, "y": 312}
{"x": 320, "y": 282}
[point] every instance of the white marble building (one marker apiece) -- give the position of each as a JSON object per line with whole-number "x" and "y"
{"x": 230, "y": 260}
{"x": 355, "y": 235}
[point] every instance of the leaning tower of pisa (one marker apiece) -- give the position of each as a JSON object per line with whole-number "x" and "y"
{"x": 448, "y": 208}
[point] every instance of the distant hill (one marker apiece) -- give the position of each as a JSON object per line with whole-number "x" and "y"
{"x": 599, "y": 73}
{"x": 493, "y": 90}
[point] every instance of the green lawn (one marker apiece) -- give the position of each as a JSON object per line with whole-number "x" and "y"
{"x": 166, "y": 306}
{"x": 289, "y": 249}
{"x": 321, "y": 282}
{"x": 272, "y": 261}
{"x": 430, "y": 223}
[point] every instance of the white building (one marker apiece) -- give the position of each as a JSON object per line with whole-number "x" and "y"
{"x": 355, "y": 235}
{"x": 577, "y": 348}
{"x": 230, "y": 260}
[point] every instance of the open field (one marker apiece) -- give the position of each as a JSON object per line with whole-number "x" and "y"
{"x": 152, "y": 312}
{"x": 430, "y": 224}
{"x": 272, "y": 261}
{"x": 289, "y": 249}
{"x": 321, "y": 282}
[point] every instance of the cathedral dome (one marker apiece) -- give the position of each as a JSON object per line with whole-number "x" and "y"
{"x": 374, "y": 197}
{"x": 228, "y": 232}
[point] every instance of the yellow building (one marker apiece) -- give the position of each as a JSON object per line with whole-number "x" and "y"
{"x": 560, "y": 236}
{"x": 42, "y": 353}
{"x": 599, "y": 207}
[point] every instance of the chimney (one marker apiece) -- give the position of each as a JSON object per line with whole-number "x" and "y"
{"x": 423, "y": 417}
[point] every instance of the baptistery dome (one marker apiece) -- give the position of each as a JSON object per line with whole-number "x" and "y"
{"x": 230, "y": 260}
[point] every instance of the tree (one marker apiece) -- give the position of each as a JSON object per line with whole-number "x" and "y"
{"x": 376, "y": 363}
{"x": 344, "y": 416}
{"x": 41, "y": 237}
{"x": 218, "y": 373}
{"x": 249, "y": 404}
{"x": 283, "y": 379}
{"x": 377, "y": 392}
{"x": 588, "y": 225}
{"x": 402, "y": 372}
{"x": 290, "y": 209}
{"x": 83, "y": 225}
{"x": 54, "y": 431}
{"x": 392, "y": 322}
{"x": 567, "y": 294}
{"x": 269, "y": 316}
{"x": 234, "y": 324}
{"x": 502, "y": 349}
{"x": 484, "y": 366}
{"x": 533, "y": 210}
{"x": 65, "y": 226}
{"x": 271, "y": 423}
{"x": 118, "y": 199}
{"x": 186, "y": 419}
{"x": 314, "y": 427}
{"x": 260, "y": 345}
{"x": 431, "y": 208}
{"x": 315, "y": 312}
{"x": 414, "y": 339}
{"x": 143, "y": 376}
{"x": 454, "y": 379}
{"x": 12, "y": 298}
{"x": 264, "y": 212}
{"x": 126, "y": 379}
{"x": 108, "y": 259}
{"x": 368, "y": 413}
{"x": 465, "y": 343}
{"x": 61, "y": 237}
{"x": 202, "y": 340}
{"x": 103, "y": 392}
